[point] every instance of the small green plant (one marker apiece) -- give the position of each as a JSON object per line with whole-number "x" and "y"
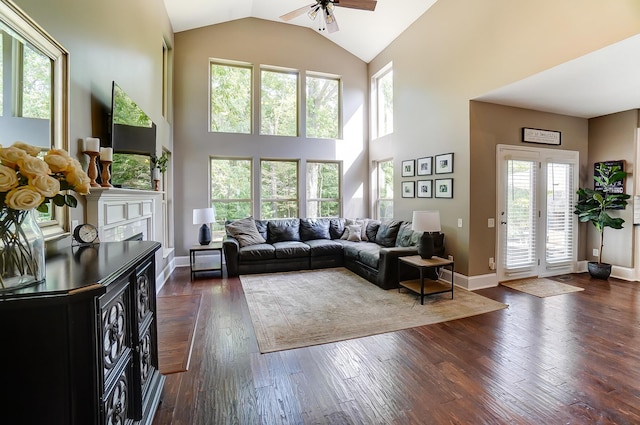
{"x": 592, "y": 204}
{"x": 160, "y": 162}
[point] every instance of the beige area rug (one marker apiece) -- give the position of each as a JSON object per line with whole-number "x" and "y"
{"x": 541, "y": 287}
{"x": 299, "y": 309}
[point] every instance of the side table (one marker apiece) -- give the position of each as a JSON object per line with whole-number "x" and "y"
{"x": 199, "y": 264}
{"x": 426, "y": 286}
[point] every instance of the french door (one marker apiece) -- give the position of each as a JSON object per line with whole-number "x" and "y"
{"x": 537, "y": 229}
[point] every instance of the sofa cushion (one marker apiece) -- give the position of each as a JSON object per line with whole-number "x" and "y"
{"x": 370, "y": 256}
{"x": 324, "y": 247}
{"x": 314, "y": 228}
{"x": 245, "y": 232}
{"x": 257, "y": 252}
{"x": 388, "y": 232}
{"x": 336, "y": 227}
{"x": 372, "y": 229}
{"x": 405, "y": 235}
{"x": 283, "y": 230}
{"x": 291, "y": 249}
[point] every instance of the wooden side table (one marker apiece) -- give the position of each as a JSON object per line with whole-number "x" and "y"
{"x": 198, "y": 264}
{"x": 426, "y": 286}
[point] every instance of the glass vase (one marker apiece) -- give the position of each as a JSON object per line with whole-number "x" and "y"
{"x": 22, "y": 251}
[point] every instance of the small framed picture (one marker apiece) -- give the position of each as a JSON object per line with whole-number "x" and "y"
{"x": 408, "y": 168}
{"x": 424, "y": 166}
{"x": 444, "y": 188}
{"x": 444, "y": 163}
{"x": 425, "y": 188}
{"x": 408, "y": 190}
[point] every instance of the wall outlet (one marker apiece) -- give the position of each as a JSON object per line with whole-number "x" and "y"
{"x": 459, "y": 222}
{"x": 491, "y": 222}
{"x": 595, "y": 252}
{"x": 450, "y": 258}
{"x": 492, "y": 264}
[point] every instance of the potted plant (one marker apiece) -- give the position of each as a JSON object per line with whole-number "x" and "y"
{"x": 159, "y": 165}
{"x": 592, "y": 207}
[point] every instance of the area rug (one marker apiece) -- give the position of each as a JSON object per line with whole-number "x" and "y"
{"x": 299, "y": 309}
{"x": 541, "y": 287}
{"x": 177, "y": 320}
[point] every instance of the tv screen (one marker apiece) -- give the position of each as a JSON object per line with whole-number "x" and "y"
{"x": 133, "y": 138}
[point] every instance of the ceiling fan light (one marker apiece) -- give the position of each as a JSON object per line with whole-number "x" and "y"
{"x": 313, "y": 12}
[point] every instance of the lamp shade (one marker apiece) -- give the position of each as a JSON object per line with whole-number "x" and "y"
{"x": 426, "y": 221}
{"x": 204, "y": 216}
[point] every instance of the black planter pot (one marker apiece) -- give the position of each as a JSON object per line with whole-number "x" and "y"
{"x": 599, "y": 270}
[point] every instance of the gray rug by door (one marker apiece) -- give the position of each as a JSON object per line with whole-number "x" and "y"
{"x": 299, "y": 309}
{"x": 541, "y": 287}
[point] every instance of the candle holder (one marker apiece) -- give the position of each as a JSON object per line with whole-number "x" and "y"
{"x": 106, "y": 174}
{"x": 92, "y": 170}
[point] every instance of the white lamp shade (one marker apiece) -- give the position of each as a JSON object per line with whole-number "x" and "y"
{"x": 426, "y": 221}
{"x": 204, "y": 216}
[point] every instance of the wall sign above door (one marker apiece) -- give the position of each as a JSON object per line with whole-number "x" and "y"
{"x": 536, "y": 135}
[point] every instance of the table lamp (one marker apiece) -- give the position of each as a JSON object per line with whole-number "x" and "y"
{"x": 426, "y": 222}
{"x": 204, "y": 216}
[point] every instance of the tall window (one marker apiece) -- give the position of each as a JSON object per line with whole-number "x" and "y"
{"x": 384, "y": 201}
{"x": 230, "y": 98}
{"x": 278, "y": 189}
{"x": 383, "y": 99}
{"x": 230, "y": 189}
{"x": 323, "y": 189}
{"x": 279, "y": 103}
{"x": 323, "y": 107}
{"x": 36, "y": 84}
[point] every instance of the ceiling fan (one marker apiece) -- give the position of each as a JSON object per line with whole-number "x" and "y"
{"x": 324, "y": 8}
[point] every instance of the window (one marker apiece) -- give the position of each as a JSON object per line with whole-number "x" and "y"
{"x": 36, "y": 84}
{"x": 279, "y": 103}
{"x": 384, "y": 198}
{"x": 323, "y": 189}
{"x": 383, "y": 101}
{"x": 278, "y": 189}
{"x": 230, "y": 189}
{"x": 230, "y": 98}
{"x": 323, "y": 107}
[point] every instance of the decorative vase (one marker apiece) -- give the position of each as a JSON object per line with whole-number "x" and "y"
{"x": 22, "y": 251}
{"x": 599, "y": 270}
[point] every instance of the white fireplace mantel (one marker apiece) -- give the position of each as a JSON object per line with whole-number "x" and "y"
{"x": 120, "y": 214}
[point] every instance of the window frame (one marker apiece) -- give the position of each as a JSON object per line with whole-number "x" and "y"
{"x": 378, "y": 199}
{"x": 338, "y": 199}
{"x": 280, "y": 70}
{"x": 213, "y": 200}
{"x": 324, "y": 76}
{"x": 375, "y": 101}
{"x": 235, "y": 64}
{"x": 263, "y": 199}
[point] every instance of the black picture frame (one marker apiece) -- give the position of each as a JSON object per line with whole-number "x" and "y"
{"x": 444, "y": 188}
{"x": 424, "y": 166}
{"x": 444, "y": 163}
{"x": 540, "y": 136}
{"x": 424, "y": 189}
{"x": 408, "y": 168}
{"x": 408, "y": 189}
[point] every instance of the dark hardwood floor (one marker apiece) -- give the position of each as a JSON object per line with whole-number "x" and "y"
{"x": 568, "y": 359}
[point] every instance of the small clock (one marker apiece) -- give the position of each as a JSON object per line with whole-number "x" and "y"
{"x": 86, "y": 234}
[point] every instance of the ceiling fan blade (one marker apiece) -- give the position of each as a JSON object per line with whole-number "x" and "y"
{"x": 357, "y": 4}
{"x": 330, "y": 20}
{"x": 294, "y": 14}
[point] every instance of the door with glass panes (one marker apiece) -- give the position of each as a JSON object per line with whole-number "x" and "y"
{"x": 537, "y": 229}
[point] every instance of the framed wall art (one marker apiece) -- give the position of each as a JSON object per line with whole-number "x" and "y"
{"x": 444, "y": 163}
{"x": 425, "y": 188}
{"x": 408, "y": 168}
{"x": 408, "y": 190}
{"x": 424, "y": 166}
{"x": 444, "y": 188}
{"x": 544, "y": 137}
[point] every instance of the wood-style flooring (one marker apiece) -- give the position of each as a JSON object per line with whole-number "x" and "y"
{"x": 568, "y": 359}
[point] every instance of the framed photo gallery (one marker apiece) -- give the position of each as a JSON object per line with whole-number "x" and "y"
{"x": 427, "y": 166}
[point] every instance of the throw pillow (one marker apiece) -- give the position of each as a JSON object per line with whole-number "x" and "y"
{"x": 405, "y": 234}
{"x": 372, "y": 229}
{"x": 336, "y": 227}
{"x": 357, "y": 221}
{"x": 245, "y": 232}
{"x": 388, "y": 232}
{"x": 354, "y": 231}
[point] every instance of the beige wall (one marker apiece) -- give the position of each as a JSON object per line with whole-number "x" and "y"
{"x": 613, "y": 137}
{"x": 459, "y": 50}
{"x": 261, "y": 42}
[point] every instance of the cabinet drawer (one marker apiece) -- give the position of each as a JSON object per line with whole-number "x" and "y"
{"x": 144, "y": 293}
{"x": 115, "y": 329}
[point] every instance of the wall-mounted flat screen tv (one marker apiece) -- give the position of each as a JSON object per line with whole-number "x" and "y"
{"x": 133, "y": 138}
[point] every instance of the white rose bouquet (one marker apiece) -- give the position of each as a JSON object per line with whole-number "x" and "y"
{"x": 27, "y": 183}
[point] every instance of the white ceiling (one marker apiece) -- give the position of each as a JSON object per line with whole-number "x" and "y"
{"x": 600, "y": 83}
{"x": 363, "y": 33}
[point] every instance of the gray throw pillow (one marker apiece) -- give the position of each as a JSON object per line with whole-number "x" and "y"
{"x": 245, "y": 232}
{"x": 405, "y": 235}
{"x": 388, "y": 232}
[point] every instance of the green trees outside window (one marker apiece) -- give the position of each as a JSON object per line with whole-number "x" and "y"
{"x": 323, "y": 189}
{"x": 230, "y": 190}
{"x": 230, "y": 98}
{"x": 323, "y": 107}
{"x": 278, "y": 189}
{"x": 279, "y": 103}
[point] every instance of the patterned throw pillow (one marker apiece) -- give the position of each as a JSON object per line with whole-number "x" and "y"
{"x": 245, "y": 232}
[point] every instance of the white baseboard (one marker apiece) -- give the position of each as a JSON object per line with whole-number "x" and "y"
{"x": 161, "y": 279}
{"x": 471, "y": 283}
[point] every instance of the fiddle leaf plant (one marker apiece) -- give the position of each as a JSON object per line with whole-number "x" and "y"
{"x": 593, "y": 204}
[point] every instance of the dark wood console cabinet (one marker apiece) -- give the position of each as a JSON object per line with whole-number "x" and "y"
{"x": 81, "y": 348}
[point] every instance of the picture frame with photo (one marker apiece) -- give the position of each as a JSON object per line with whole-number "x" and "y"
{"x": 424, "y": 166}
{"x": 408, "y": 190}
{"x": 425, "y": 189}
{"x": 408, "y": 168}
{"x": 444, "y": 188}
{"x": 444, "y": 163}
